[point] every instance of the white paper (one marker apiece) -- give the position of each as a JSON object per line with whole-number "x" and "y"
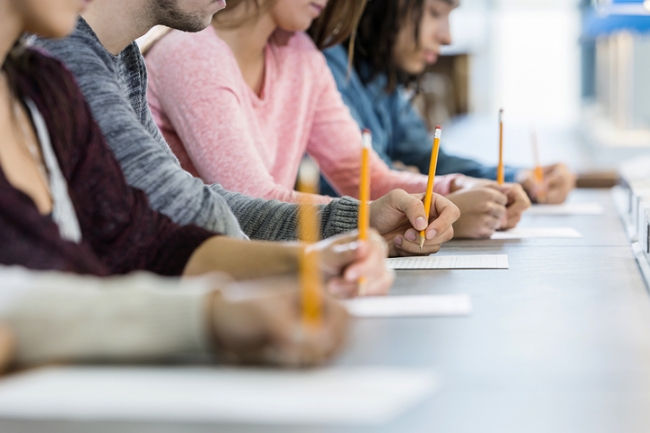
{"x": 410, "y": 306}
{"x": 566, "y": 209}
{"x": 362, "y": 395}
{"x": 537, "y": 233}
{"x": 476, "y": 261}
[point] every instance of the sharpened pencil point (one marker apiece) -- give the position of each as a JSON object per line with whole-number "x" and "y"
{"x": 421, "y": 242}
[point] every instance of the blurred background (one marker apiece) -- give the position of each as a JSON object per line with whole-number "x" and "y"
{"x": 577, "y": 71}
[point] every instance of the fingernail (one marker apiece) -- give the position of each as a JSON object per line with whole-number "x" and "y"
{"x": 398, "y": 240}
{"x": 432, "y": 234}
{"x": 351, "y": 276}
{"x": 410, "y": 236}
{"x": 420, "y": 223}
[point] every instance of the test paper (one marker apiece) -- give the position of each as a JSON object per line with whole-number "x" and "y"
{"x": 360, "y": 395}
{"x": 410, "y": 306}
{"x": 537, "y": 233}
{"x": 566, "y": 209}
{"x": 485, "y": 261}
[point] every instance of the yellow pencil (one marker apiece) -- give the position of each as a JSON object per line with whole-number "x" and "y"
{"x": 308, "y": 230}
{"x": 433, "y": 165}
{"x": 364, "y": 195}
{"x": 539, "y": 172}
{"x": 500, "y": 169}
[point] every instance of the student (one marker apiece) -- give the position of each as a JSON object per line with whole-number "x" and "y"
{"x": 65, "y": 205}
{"x": 112, "y": 75}
{"x": 260, "y": 96}
{"x": 395, "y": 42}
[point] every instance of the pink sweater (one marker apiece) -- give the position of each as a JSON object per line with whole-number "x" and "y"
{"x": 221, "y": 131}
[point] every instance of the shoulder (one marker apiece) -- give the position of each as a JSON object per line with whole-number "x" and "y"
{"x": 203, "y": 54}
{"x": 81, "y": 49}
{"x": 337, "y": 57}
{"x": 182, "y": 46}
{"x": 44, "y": 71}
{"x": 297, "y": 47}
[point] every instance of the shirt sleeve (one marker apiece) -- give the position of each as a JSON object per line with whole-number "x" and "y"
{"x": 335, "y": 142}
{"x": 147, "y": 162}
{"x": 116, "y": 219}
{"x": 210, "y": 121}
{"x": 64, "y": 317}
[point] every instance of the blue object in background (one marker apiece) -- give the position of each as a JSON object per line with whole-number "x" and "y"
{"x": 619, "y": 15}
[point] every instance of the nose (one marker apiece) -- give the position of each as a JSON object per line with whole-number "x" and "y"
{"x": 444, "y": 33}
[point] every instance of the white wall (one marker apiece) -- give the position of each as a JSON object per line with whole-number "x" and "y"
{"x": 526, "y": 57}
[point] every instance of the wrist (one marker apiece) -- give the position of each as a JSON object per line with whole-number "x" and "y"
{"x": 457, "y": 183}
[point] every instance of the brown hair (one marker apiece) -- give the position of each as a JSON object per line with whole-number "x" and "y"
{"x": 336, "y": 23}
{"x": 376, "y": 36}
{"x": 16, "y": 63}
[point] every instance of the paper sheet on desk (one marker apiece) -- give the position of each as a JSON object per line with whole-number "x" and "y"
{"x": 566, "y": 209}
{"x": 410, "y": 306}
{"x": 360, "y": 395}
{"x": 537, "y": 233}
{"x": 477, "y": 261}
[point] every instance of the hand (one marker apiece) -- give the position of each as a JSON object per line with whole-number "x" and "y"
{"x": 559, "y": 181}
{"x": 344, "y": 260}
{"x": 462, "y": 182}
{"x": 518, "y": 202}
{"x": 399, "y": 216}
{"x": 259, "y": 322}
{"x": 6, "y": 347}
{"x": 482, "y": 212}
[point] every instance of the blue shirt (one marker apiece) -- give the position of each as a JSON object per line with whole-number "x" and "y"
{"x": 398, "y": 131}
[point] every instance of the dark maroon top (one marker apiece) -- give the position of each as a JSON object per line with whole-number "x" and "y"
{"x": 121, "y": 233}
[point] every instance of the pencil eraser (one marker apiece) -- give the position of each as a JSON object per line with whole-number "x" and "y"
{"x": 366, "y": 138}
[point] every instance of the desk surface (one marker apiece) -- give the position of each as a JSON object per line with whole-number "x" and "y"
{"x": 558, "y": 343}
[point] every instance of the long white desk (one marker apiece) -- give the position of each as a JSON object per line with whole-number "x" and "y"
{"x": 558, "y": 343}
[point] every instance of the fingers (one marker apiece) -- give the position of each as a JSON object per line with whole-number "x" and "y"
{"x": 410, "y": 244}
{"x": 444, "y": 214}
{"x": 412, "y": 206}
{"x": 296, "y": 345}
{"x": 338, "y": 252}
{"x": 371, "y": 266}
{"x": 560, "y": 182}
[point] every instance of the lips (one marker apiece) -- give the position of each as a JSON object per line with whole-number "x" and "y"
{"x": 319, "y": 8}
{"x": 430, "y": 56}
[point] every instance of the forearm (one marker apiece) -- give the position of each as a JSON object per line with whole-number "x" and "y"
{"x": 243, "y": 259}
{"x": 273, "y": 220}
{"x": 63, "y": 317}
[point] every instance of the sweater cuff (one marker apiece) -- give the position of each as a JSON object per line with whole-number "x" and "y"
{"x": 340, "y": 216}
{"x": 443, "y": 183}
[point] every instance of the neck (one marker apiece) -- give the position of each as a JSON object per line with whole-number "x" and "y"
{"x": 247, "y": 41}
{"x": 11, "y": 27}
{"x": 117, "y": 23}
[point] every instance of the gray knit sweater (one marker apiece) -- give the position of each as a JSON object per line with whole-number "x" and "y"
{"x": 115, "y": 88}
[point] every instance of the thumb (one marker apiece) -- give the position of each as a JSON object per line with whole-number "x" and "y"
{"x": 412, "y": 207}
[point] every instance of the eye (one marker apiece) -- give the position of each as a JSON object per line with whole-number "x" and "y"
{"x": 433, "y": 12}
